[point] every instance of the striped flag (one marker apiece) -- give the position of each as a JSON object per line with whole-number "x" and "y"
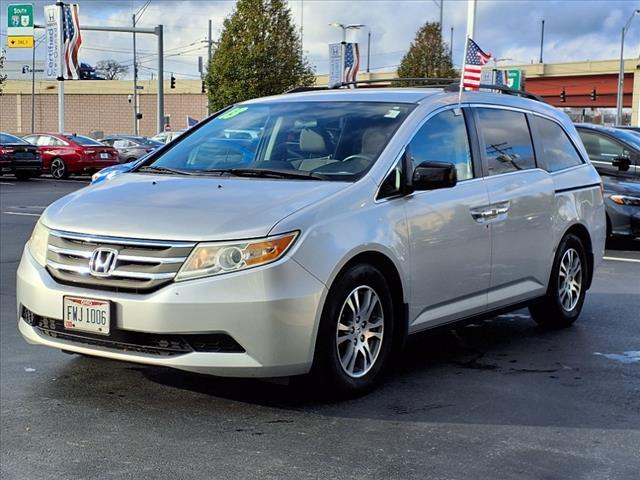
{"x": 72, "y": 40}
{"x": 351, "y": 62}
{"x": 473, "y": 65}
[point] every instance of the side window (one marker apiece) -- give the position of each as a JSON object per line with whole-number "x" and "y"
{"x": 108, "y": 142}
{"x": 600, "y": 148}
{"x": 507, "y": 140}
{"x": 120, "y": 144}
{"x": 443, "y": 138}
{"x": 32, "y": 139}
{"x": 44, "y": 141}
{"x": 558, "y": 152}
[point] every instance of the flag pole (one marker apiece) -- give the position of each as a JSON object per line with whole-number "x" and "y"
{"x": 471, "y": 23}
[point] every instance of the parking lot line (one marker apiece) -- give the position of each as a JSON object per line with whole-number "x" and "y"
{"x": 616, "y": 259}
{"x": 6, "y": 183}
{"x": 23, "y": 213}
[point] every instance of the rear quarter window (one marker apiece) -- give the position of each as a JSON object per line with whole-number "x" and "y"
{"x": 556, "y": 151}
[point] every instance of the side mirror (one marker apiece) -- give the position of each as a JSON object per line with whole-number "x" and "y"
{"x": 622, "y": 163}
{"x": 434, "y": 175}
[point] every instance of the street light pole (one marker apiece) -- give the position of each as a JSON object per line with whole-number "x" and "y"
{"x": 620, "y": 96}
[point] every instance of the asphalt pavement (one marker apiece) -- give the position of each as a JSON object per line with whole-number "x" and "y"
{"x": 497, "y": 399}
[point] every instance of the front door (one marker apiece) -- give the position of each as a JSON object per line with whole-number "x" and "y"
{"x": 450, "y": 241}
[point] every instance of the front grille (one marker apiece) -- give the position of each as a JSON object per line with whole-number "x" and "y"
{"x": 141, "y": 265}
{"x": 137, "y": 342}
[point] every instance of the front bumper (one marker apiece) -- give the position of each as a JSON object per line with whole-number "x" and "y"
{"x": 624, "y": 219}
{"x": 271, "y": 311}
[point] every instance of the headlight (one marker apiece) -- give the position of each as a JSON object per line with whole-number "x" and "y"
{"x": 625, "y": 200}
{"x": 38, "y": 243}
{"x": 217, "y": 258}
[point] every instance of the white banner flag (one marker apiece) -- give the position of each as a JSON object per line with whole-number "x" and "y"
{"x": 53, "y": 64}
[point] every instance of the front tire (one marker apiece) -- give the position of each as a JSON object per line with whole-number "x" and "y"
{"x": 59, "y": 169}
{"x": 562, "y": 304}
{"x": 356, "y": 332}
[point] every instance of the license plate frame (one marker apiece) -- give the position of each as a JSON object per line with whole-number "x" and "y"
{"x": 91, "y": 315}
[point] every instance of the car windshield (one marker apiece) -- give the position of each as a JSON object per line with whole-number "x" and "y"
{"x": 83, "y": 140}
{"x": 325, "y": 140}
{"x": 7, "y": 139}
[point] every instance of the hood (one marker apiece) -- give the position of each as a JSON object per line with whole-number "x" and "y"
{"x": 621, "y": 185}
{"x": 166, "y": 207}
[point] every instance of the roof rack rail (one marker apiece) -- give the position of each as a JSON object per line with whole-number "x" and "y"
{"x": 429, "y": 83}
{"x": 454, "y": 87}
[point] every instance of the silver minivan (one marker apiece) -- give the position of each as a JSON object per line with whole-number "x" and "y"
{"x": 344, "y": 222}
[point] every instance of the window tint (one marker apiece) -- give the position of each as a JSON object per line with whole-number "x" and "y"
{"x": 82, "y": 140}
{"x": 507, "y": 141}
{"x": 443, "y": 138}
{"x": 32, "y": 139}
{"x": 557, "y": 150}
{"x": 600, "y": 148}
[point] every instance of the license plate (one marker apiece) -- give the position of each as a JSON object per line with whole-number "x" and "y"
{"x": 104, "y": 155}
{"x": 86, "y": 315}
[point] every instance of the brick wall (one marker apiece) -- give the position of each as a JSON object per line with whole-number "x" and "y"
{"x": 85, "y": 113}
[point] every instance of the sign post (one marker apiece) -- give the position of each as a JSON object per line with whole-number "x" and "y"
{"x": 20, "y": 26}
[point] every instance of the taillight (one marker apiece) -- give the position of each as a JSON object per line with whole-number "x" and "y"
{"x": 6, "y": 151}
{"x": 90, "y": 152}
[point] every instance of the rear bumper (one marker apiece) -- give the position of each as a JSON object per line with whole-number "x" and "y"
{"x": 271, "y": 312}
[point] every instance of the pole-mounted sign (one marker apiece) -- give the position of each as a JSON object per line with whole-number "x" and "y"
{"x": 20, "y": 26}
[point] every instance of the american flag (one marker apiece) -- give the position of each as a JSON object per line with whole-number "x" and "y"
{"x": 351, "y": 62}
{"x": 72, "y": 40}
{"x": 473, "y": 65}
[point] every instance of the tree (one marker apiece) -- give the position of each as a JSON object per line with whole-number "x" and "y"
{"x": 111, "y": 69}
{"x": 427, "y": 56}
{"x": 259, "y": 53}
{"x": 3, "y": 77}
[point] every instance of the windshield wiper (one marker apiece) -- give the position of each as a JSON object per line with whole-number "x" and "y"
{"x": 155, "y": 169}
{"x": 265, "y": 173}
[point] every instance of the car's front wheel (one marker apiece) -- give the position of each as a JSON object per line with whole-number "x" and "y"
{"x": 356, "y": 332}
{"x": 565, "y": 295}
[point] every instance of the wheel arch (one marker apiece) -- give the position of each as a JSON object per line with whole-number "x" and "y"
{"x": 394, "y": 280}
{"x": 582, "y": 233}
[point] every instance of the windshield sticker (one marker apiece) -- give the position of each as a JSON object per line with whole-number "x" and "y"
{"x": 392, "y": 114}
{"x": 233, "y": 112}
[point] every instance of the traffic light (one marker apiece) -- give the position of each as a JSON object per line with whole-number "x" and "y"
{"x": 563, "y": 96}
{"x": 173, "y": 81}
{"x": 594, "y": 95}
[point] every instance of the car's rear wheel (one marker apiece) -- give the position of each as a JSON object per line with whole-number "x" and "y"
{"x": 356, "y": 332}
{"x": 59, "y": 169}
{"x": 565, "y": 295}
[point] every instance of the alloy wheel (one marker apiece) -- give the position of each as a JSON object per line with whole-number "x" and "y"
{"x": 359, "y": 333}
{"x": 570, "y": 279}
{"x": 57, "y": 168}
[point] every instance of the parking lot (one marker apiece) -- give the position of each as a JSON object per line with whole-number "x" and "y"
{"x": 498, "y": 399}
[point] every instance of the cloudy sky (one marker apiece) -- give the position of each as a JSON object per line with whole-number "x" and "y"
{"x": 574, "y": 30}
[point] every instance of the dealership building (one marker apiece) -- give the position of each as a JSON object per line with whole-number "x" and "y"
{"x": 100, "y": 107}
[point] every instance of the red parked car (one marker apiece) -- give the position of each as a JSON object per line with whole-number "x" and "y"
{"x": 64, "y": 154}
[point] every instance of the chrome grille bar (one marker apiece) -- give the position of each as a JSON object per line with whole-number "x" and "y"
{"x": 141, "y": 265}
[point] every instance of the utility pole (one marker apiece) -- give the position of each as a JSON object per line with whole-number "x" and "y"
{"x": 541, "y": 41}
{"x": 368, "y": 50}
{"x": 135, "y": 81}
{"x": 620, "y": 96}
{"x": 451, "y": 47}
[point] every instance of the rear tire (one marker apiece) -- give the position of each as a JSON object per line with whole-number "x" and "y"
{"x": 356, "y": 332}
{"x": 562, "y": 304}
{"x": 58, "y": 169}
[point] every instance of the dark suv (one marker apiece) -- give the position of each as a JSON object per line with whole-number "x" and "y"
{"x": 616, "y": 155}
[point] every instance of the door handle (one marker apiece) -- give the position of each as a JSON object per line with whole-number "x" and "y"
{"x": 482, "y": 214}
{"x": 495, "y": 211}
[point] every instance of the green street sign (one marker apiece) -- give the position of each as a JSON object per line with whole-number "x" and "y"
{"x": 20, "y": 20}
